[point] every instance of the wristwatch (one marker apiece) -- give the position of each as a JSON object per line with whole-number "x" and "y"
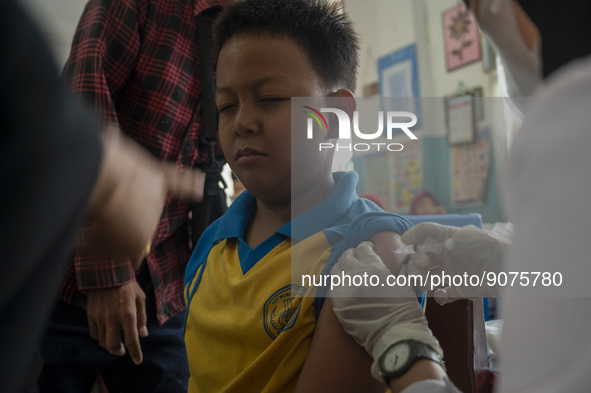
{"x": 401, "y": 356}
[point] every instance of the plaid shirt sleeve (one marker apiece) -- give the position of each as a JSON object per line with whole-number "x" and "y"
{"x": 102, "y": 59}
{"x": 136, "y": 62}
{"x": 103, "y": 55}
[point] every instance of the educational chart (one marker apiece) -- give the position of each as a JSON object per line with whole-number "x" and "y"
{"x": 407, "y": 175}
{"x": 395, "y": 176}
{"x": 376, "y": 176}
{"x": 470, "y": 165}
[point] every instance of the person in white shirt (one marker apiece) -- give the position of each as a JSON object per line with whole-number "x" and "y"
{"x": 545, "y": 346}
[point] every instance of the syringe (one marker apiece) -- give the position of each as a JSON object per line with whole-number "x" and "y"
{"x": 430, "y": 245}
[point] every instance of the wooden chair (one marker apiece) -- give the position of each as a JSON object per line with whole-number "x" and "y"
{"x": 459, "y": 327}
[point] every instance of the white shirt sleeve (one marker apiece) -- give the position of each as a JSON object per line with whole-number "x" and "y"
{"x": 545, "y": 345}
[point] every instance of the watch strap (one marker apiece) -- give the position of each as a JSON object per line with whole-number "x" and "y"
{"x": 418, "y": 350}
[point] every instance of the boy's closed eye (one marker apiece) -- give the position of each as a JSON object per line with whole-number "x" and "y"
{"x": 266, "y": 100}
{"x": 223, "y": 108}
{"x": 273, "y": 99}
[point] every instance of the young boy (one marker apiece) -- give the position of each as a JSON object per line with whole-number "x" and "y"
{"x": 248, "y": 327}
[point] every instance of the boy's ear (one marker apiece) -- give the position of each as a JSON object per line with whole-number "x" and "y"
{"x": 345, "y": 101}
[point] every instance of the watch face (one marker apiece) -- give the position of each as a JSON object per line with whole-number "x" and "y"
{"x": 396, "y": 357}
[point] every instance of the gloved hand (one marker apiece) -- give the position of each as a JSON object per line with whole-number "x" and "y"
{"x": 391, "y": 314}
{"x": 467, "y": 250}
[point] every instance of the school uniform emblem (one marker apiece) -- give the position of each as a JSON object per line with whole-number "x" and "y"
{"x": 281, "y": 310}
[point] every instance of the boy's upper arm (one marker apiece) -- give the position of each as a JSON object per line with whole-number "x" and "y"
{"x": 380, "y": 228}
{"x": 335, "y": 362}
{"x": 384, "y": 243}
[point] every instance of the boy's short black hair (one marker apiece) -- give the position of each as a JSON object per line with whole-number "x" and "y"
{"x": 320, "y": 28}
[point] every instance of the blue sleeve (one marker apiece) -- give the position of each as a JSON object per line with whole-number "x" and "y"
{"x": 362, "y": 228}
{"x": 366, "y": 225}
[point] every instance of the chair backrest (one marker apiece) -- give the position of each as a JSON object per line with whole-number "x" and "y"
{"x": 459, "y": 326}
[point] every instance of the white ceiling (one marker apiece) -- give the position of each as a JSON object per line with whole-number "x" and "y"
{"x": 57, "y": 20}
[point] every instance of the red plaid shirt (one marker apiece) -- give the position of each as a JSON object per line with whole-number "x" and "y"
{"x": 136, "y": 62}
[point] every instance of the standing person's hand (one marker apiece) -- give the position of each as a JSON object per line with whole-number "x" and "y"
{"x": 127, "y": 202}
{"x": 112, "y": 310}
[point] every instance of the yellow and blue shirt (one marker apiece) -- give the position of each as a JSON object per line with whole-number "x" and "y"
{"x": 249, "y": 326}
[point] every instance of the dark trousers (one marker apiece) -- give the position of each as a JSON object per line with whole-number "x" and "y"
{"x": 73, "y": 360}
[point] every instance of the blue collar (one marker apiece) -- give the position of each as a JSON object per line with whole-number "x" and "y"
{"x": 233, "y": 223}
{"x": 329, "y": 211}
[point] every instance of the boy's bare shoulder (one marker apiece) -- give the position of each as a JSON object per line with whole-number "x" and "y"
{"x": 383, "y": 244}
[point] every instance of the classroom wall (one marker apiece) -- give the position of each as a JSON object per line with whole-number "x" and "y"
{"x": 388, "y": 25}
{"x": 384, "y": 26}
{"x": 57, "y": 20}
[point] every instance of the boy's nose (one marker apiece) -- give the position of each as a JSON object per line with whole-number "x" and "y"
{"x": 246, "y": 123}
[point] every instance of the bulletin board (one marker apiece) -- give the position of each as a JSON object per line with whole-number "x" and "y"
{"x": 434, "y": 155}
{"x": 470, "y": 167}
{"x": 438, "y": 154}
{"x": 464, "y": 178}
{"x": 461, "y": 122}
{"x": 399, "y": 77}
